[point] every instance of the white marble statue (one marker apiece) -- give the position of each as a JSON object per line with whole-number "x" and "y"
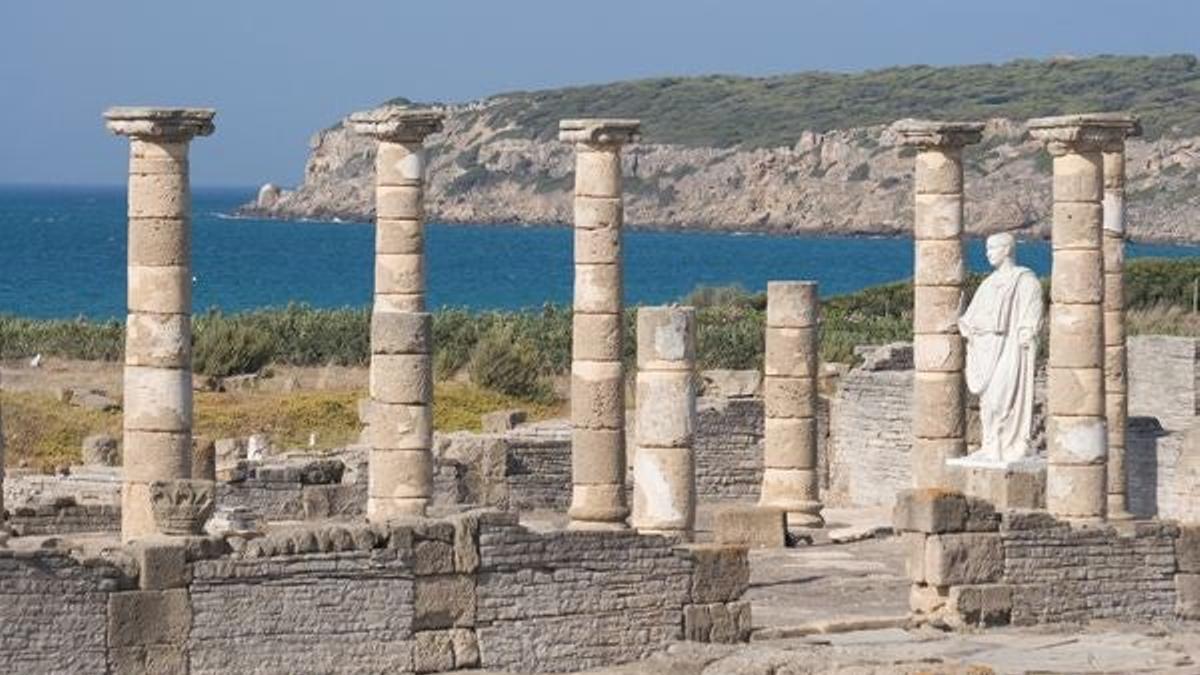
{"x": 1001, "y": 327}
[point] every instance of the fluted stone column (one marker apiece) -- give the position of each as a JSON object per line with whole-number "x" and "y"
{"x": 158, "y": 336}
{"x": 790, "y": 481}
{"x": 939, "y": 411}
{"x": 1116, "y": 387}
{"x": 664, "y": 465}
{"x": 597, "y": 376}
{"x": 1077, "y": 437}
{"x": 399, "y": 415}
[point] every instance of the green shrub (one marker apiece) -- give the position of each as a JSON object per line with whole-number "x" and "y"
{"x": 503, "y": 363}
{"x": 224, "y": 348}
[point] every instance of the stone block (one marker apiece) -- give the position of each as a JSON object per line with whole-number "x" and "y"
{"x": 444, "y": 601}
{"x": 1077, "y": 276}
{"x": 724, "y": 623}
{"x": 162, "y": 563}
{"x": 149, "y": 660}
{"x": 598, "y": 456}
{"x": 939, "y": 353}
{"x": 793, "y": 304}
{"x": 159, "y": 195}
{"x": 598, "y": 213}
{"x": 399, "y": 163}
{"x": 1076, "y": 225}
{"x": 598, "y": 504}
{"x": 666, "y": 339}
{"x": 597, "y": 172}
{"x": 1076, "y": 491}
{"x": 157, "y": 455}
{"x": 500, "y": 421}
{"x": 980, "y": 606}
{"x": 1076, "y": 336}
{"x": 936, "y": 309}
{"x": 789, "y": 397}
{"x": 399, "y": 202}
{"x": 793, "y": 490}
{"x": 720, "y": 572}
{"x": 399, "y": 236}
{"x": 939, "y": 262}
{"x": 929, "y": 456}
{"x": 790, "y": 352}
{"x": 927, "y": 601}
{"x": 158, "y": 399}
{"x": 790, "y": 443}
{"x": 952, "y": 559}
{"x": 401, "y": 333}
{"x": 596, "y": 337}
{"x": 753, "y": 526}
{"x": 938, "y": 405}
{"x": 1020, "y": 485}
{"x": 931, "y": 511}
{"x": 398, "y": 426}
{"x": 1187, "y": 596}
{"x": 159, "y": 290}
{"x": 433, "y": 557}
{"x": 433, "y": 651}
{"x": 913, "y": 544}
{"x": 138, "y": 618}
{"x": 1076, "y": 439}
{"x": 598, "y": 288}
{"x": 1187, "y": 549}
{"x": 402, "y": 273}
{"x": 400, "y": 473}
{"x": 664, "y": 491}
{"x": 137, "y": 519}
{"x": 938, "y": 171}
{"x": 938, "y": 216}
{"x": 159, "y": 242}
{"x": 666, "y": 409}
{"x": 1078, "y": 177}
{"x": 401, "y": 378}
{"x": 597, "y": 245}
{"x": 597, "y": 394}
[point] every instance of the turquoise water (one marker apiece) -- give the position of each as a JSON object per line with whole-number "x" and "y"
{"x": 62, "y": 254}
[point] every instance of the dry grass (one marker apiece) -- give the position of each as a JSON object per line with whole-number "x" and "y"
{"x": 1163, "y": 320}
{"x": 42, "y": 432}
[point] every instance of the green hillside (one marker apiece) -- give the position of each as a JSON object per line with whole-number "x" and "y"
{"x": 725, "y": 111}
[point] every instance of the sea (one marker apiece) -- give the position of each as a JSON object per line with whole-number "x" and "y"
{"x": 62, "y": 255}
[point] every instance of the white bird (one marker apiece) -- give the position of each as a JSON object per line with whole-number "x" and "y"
{"x": 36, "y": 361}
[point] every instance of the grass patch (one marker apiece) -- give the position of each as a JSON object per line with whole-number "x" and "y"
{"x": 42, "y": 432}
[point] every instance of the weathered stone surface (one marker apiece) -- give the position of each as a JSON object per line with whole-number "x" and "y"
{"x": 1187, "y": 603}
{"x": 148, "y": 618}
{"x": 720, "y": 572}
{"x": 749, "y": 525}
{"x": 161, "y": 563}
{"x": 100, "y": 450}
{"x": 953, "y": 559}
{"x": 502, "y": 420}
{"x": 930, "y": 510}
{"x": 723, "y": 623}
{"x": 444, "y": 601}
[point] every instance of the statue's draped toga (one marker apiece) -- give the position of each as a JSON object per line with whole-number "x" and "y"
{"x": 1001, "y": 326}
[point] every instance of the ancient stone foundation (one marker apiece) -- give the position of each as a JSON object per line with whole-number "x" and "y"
{"x": 972, "y": 566}
{"x": 472, "y": 591}
{"x": 158, "y": 335}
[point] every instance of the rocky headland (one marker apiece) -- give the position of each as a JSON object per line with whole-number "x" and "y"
{"x": 497, "y": 162}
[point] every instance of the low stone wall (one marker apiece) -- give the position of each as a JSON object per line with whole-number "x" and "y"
{"x": 972, "y": 566}
{"x": 63, "y": 516}
{"x": 471, "y": 590}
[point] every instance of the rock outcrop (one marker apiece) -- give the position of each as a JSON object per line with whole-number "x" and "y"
{"x": 848, "y": 181}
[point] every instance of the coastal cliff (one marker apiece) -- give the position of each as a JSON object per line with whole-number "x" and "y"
{"x": 498, "y": 161}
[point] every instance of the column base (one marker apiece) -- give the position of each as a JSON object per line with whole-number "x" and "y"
{"x": 598, "y": 507}
{"x": 383, "y": 509}
{"x": 1117, "y": 509}
{"x": 682, "y": 535}
{"x": 1006, "y": 485}
{"x": 597, "y": 526}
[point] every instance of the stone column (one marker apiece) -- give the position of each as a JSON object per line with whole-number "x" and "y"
{"x": 664, "y": 466}
{"x": 597, "y": 376}
{"x": 790, "y": 480}
{"x": 399, "y": 414}
{"x": 2, "y": 459}
{"x": 1077, "y": 438}
{"x": 939, "y": 411}
{"x": 158, "y": 333}
{"x": 1116, "y": 401}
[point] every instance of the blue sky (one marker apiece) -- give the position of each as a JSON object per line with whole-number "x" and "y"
{"x": 279, "y": 70}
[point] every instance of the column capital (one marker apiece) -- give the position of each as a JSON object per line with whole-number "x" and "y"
{"x": 929, "y": 134}
{"x": 1089, "y": 132}
{"x": 397, "y": 124}
{"x": 598, "y": 131}
{"x": 164, "y": 124}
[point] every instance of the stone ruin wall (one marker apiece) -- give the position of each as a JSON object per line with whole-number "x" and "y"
{"x": 974, "y": 567}
{"x": 475, "y": 590}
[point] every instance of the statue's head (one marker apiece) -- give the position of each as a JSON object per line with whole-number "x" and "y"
{"x": 1001, "y": 247}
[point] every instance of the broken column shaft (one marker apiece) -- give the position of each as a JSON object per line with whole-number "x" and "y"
{"x": 664, "y": 465}
{"x": 597, "y": 376}
{"x": 158, "y": 337}
{"x": 790, "y": 480}
{"x": 399, "y": 415}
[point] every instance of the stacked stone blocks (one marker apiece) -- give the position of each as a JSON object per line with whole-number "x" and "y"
{"x": 790, "y": 478}
{"x": 399, "y": 415}
{"x": 664, "y": 471}
{"x": 1077, "y": 435}
{"x": 158, "y": 356}
{"x": 597, "y": 376}
{"x": 939, "y": 404}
